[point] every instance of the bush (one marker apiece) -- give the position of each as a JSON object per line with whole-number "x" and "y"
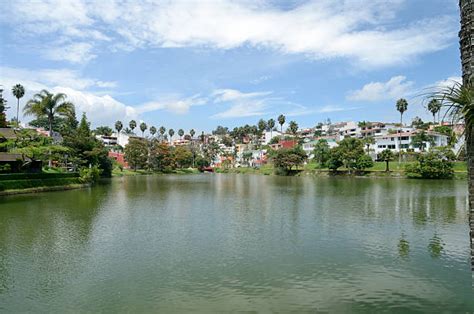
{"x": 437, "y": 164}
{"x": 90, "y": 175}
{"x": 28, "y": 176}
{"x": 364, "y": 162}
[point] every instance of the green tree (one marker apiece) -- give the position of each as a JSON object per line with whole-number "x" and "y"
{"x": 162, "y": 132}
{"x": 152, "y": 131}
{"x": 183, "y": 157}
{"x": 436, "y": 164}
{"x": 387, "y": 156}
{"x": 192, "y": 132}
{"x": 286, "y": 159}
{"x": 262, "y": 126}
{"x": 281, "y": 120}
{"x": 321, "y": 152}
{"x": 350, "y": 153}
{"x": 293, "y": 127}
{"x": 271, "y": 126}
{"x": 402, "y": 106}
{"x": 143, "y": 128}
{"x": 118, "y": 126}
{"x": 171, "y": 133}
{"x": 434, "y": 106}
{"x": 368, "y": 140}
{"x": 18, "y": 91}
{"x": 161, "y": 157}
{"x": 136, "y": 153}
{"x": 3, "y": 107}
{"x": 46, "y": 104}
{"x": 103, "y": 130}
{"x": 180, "y": 133}
{"x": 132, "y": 124}
{"x": 420, "y": 139}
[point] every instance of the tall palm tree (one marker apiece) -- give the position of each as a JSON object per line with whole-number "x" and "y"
{"x": 118, "y": 126}
{"x": 180, "y": 133}
{"x": 132, "y": 124}
{"x": 171, "y": 133}
{"x": 143, "y": 128}
{"x": 271, "y": 125}
{"x": 152, "y": 131}
{"x": 162, "y": 132}
{"x": 281, "y": 121}
{"x": 18, "y": 91}
{"x": 368, "y": 140}
{"x": 434, "y": 106}
{"x": 192, "y": 132}
{"x": 48, "y": 105}
{"x": 402, "y": 106}
{"x": 293, "y": 128}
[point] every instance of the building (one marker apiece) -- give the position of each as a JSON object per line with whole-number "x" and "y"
{"x": 404, "y": 141}
{"x": 120, "y": 158}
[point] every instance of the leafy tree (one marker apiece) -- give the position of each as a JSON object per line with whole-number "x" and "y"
{"x": 143, "y": 128}
{"x": 286, "y": 159}
{"x": 293, "y": 127}
{"x": 152, "y": 131}
{"x": 18, "y": 91}
{"x": 132, "y": 124}
{"x": 436, "y": 164}
{"x": 3, "y": 107}
{"x": 336, "y": 159}
{"x": 118, "y": 126}
{"x": 281, "y": 120}
{"x": 387, "y": 156}
{"x": 103, "y": 130}
{"x": 363, "y": 162}
{"x": 262, "y": 126}
{"x": 136, "y": 153}
{"x": 434, "y": 106}
{"x": 210, "y": 151}
{"x": 46, "y": 104}
{"x": 202, "y": 162}
{"x": 220, "y": 130}
{"x": 171, "y": 133}
{"x": 420, "y": 139}
{"x": 183, "y": 157}
{"x": 349, "y": 153}
{"x": 321, "y": 152}
{"x": 448, "y": 131}
{"x": 271, "y": 125}
{"x": 161, "y": 157}
{"x": 180, "y": 133}
{"x": 418, "y": 123}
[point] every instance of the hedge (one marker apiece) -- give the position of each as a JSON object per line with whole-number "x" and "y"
{"x": 44, "y": 175}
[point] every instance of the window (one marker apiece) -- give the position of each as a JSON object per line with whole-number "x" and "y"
{"x": 382, "y": 146}
{"x": 392, "y": 146}
{"x": 404, "y": 138}
{"x": 392, "y": 139}
{"x": 404, "y": 145}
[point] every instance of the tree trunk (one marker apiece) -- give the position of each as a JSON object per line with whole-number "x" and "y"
{"x": 50, "y": 120}
{"x": 470, "y": 160}
{"x": 387, "y": 166}
{"x": 18, "y": 113}
{"x": 400, "y": 141}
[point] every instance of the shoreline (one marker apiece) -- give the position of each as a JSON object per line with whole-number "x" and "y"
{"x": 45, "y": 189}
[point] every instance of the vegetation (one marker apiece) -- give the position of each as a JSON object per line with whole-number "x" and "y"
{"x": 18, "y": 91}
{"x": 386, "y": 156}
{"x": 321, "y": 152}
{"x": 3, "y": 107}
{"x": 437, "y": 164}
{"x": 287, "y": 159}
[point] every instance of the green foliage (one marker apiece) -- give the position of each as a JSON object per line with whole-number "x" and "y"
{"x": 3, "y": 107}
{"x": 132, "y": 124}
{"x": 293, "y": 127}
{"x": 281, "y": 120}
{"x": 420, "y": 140}
{"x": 387, "y": 156}
{"x": 202, "y": 162}
{"x": 136, "y": 153}
{"x": 349, "y": 153}
{"x": 274, "y": 140}
{"x": 363, "y": 162}
{"x": 183, "y": 157}
{"x": 286, "y": 159}
{"x": 118, "y": 126}
{"x": 162, "y": 157}
{"x": 336, "y": 159}
{"x": 402, "y": 105}
{"x": 436, "y": 164}
{"x": 89, "y": 175}
{"x": 35, "y": 183}
{"x": 103, "y": 130}
{"x": 448, "y": 131}
{"x": 321, "y": 152}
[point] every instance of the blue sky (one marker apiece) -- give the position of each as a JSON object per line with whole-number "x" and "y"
{"x": 185, "y": 64}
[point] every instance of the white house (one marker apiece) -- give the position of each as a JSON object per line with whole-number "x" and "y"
{"x": 267, "y": 136}
{"x": 308, "y": 147}
{"x": 404, "y": 141}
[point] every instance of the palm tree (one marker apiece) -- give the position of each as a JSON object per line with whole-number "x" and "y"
{"x": 402, "y": 106}
{"x": 152, "y": 131}
{"x": 48, "y": 105}
{"x": 171, "y": 133}
{"x": 271, "y": 125}
{"x": 180, "y": 133}
{"x": 293, "y": 127}
{"x": 118, "y": 127}
{"x": 18, "y": 91}
{"x": 143, "y": 128}
{"x": 162, "y": 131}
{"x": 386, "y": 155}
{"x": 132, "y": 124}
{"x": 368, "y": 140}
{"x": 281, "y": 121}
{"x": 192, "y": 132}
{"x": 434, "y": 106}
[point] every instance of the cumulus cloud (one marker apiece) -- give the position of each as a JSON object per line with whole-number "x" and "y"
{"x": 367, "y": 35}
{"x": 396, "y": 87}
{"x": 241, "y": 104}
{"x": 174, "y": 105}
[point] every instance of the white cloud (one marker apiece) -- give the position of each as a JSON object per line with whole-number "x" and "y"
{"x": 449, "y": 82}
{"x": 174, "y": 105}
{"x": 367, "y": 34}
{"x": 394, "y": 88}
{"x": 241, "y": 104}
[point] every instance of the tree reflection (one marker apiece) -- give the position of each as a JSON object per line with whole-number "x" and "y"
{"x": 435, "y": 246}
{"x": 403, "y": 247}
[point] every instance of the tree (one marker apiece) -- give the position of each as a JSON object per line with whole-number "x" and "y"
{"x": 132, "y": 124}
{"x": 161, "y": 157}
{"x": 321, "y": 152}
{"x": 417, "y": 123}
{"x": 420, "y": 139}
{"x": 152, "y": 131}
{"x": 162, "y": 131}
{"x": 171, "y": 133}
{"x": 103, "y": 130}
{"x": 402, "y": 106}
{"x": 3, "y": 107}
{"x": 46, "y": 104}
{"x": 436, "y": 164}
{"x": 349, "y": 153}
{"x": 192, "y": 132}
{"x": 18, "y": 91}
{"x": 143, "y": 128}
{"x": 387, "y": 156}
{"x": 262, "y": 126}
{"x": 434, "y": 106}
{"x": 368, "y": 140}
{"x": 183, "y": 157}
{"x": 286, "y": 159}
{"x": 293, "y": 127}
{"x": 136, "y": 153}
{"x": 281, "y": 121}
{"x": 220, "y": 130}
{"x": 271, "y": 125}
{"x": 180, "y": 133}
{"x": 118, "y": 126}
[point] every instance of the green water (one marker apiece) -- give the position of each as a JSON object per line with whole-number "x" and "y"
{"x": 220, "y": 243}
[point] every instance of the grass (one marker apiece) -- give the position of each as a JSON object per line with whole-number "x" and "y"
{"x": 116, "y": 172}
{"x": 22, "y": 184}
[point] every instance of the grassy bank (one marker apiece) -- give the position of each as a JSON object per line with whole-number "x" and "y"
{"x": 129, "y": 172}
{"x": 16, "y": 183}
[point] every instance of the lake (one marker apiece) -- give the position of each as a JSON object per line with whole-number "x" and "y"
{"x": 222, "y": 243}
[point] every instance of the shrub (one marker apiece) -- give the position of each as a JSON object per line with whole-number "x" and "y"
{"x": 90, "y": 175}
{"x": 437, "y": 164}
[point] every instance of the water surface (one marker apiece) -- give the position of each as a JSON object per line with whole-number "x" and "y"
{"x": 218, "y": 243}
